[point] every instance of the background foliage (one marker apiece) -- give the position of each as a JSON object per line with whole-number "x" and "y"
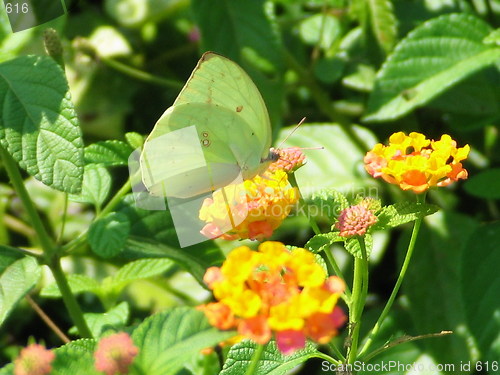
{"x": 358, "y": 70}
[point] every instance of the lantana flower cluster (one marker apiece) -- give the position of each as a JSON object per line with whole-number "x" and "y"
{"x": 357, "y": 219}
{"x": 275, "y": 291}
{"x": 35, "y": 359}
{"x": 290, "y": 159}
{"x": 416, "y": 163}
{"x": 115, "y": 354}
{"x": 256, "y": 207}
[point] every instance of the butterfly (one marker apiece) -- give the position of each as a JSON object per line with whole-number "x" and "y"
{"x": 217, "y": 132}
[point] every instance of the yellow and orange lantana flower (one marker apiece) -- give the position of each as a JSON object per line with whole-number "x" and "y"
{"x": 416, "y": 163}
{"x": 275, "y": 291}
{"x": 254, "y": 208}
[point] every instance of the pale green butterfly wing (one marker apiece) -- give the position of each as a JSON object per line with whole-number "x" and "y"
{"x": 221, "y": 82}
{"x": 217, "y": 130}
{"x": 193, "y": 150}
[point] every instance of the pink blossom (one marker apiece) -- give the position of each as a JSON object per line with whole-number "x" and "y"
{"x": 34, "y": 360}
{"x": 115, "y": 354}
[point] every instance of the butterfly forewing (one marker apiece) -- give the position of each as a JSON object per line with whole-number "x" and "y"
{"x": 192, "y": 150}
{"x": 219, "y": 81}
{"x": 230, "y": 136}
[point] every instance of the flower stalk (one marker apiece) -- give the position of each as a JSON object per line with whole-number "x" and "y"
{"x": 399, "y": 281}
{"x": 259, "y": 349}
{"x": 360, "y": 289}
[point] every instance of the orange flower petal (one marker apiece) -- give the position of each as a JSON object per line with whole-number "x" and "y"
{"x": 256, "y": 329}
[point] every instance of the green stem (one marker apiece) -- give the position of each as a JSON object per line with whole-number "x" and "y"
{"x": 255, "y": 359}
{"x": 64, "y": 217}
{"x": 80, "y": 240}
{"x": 17, "y": 181}
{"x": 330, "y": 259}
{"x": 16, "y": 225}
{"x": 116, "y": 199}
{"x": 141, "y": 75}
{"x": 360, "y": 288}
{"x": 337, "y": 352}
{"x": 22, "y": 251}
{"x": 70, "y": 302}
{"x": 47, "y": 244}
{"x": 399, "y": 281}
{"x": 327, "y": 357}
{"x": 364, "y": 291}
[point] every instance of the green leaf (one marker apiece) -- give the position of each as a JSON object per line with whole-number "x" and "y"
{"x": 170, "y": 339}
{"x": 323, "y": 241}
{"x": 77, "y": 283}
{"x": 143, "y": 247}
{"x": 108, "y": 153}
{"x": 107, "y": 235}
{"x": 95, "y": 186}
{"x": 320, "y": 30}
{"x": 435, "y": 56}
{"x": 432, "y": 284}
{"x": 141, "y": 269}
{"x": 246, "y": 33}
{"x": 8, "y": 256}
{"x": 85, "y": 345}
{"x": 362, "y": 79}
{"x": 328, "y": 203}
{"x": 480, "y": 287}
{"x": 353, "y": 247}
{"x": 329, "y": 70}
{"x": 38, "y": 124}
{"x": 135, "y": 270}
{"x": 135, "y": 140}
{"x": 402, "y": 213}
{"x": 75, "y": 358}
{"x": 493, "y": 38}
{"x": 114, "y": 319}
{"x": 383, "y": 23}
{"x": 485, "y": 184}
{"x": 339, "y": 165}
{"x": 157, "y": 226}
{"x": 272, "y": 362}
{"x": 15, "y": 282}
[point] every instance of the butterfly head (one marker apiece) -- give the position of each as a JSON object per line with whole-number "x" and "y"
{"x": 274, "y": 155}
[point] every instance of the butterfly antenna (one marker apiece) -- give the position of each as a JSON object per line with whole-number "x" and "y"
{"x": 293, "y": 131}
{"x": 312, "y": 148}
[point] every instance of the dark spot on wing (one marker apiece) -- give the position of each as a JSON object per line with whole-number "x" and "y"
{"x": 239, "y": 108}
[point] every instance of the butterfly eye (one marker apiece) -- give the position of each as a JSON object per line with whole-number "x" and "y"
{"x": 204, "y": 134}
{"x": 205, "y": 142}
